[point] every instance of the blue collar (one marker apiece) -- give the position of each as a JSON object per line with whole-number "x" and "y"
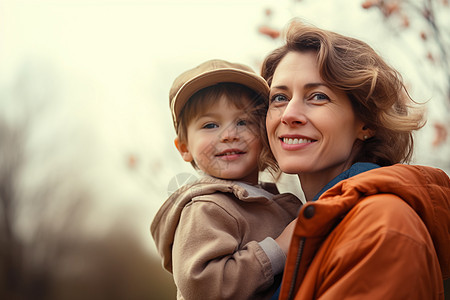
{"x": 355, "y": 169}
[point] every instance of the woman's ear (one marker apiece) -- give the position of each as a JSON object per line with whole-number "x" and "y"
{"x": 183, "y": 149}
{"x": 366, "y": 133}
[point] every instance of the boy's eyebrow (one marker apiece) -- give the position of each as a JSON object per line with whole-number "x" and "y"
{"x": 217, "y": 115}
{"x": 206, "y": 114}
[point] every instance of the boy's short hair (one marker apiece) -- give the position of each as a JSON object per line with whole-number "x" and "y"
{"x": 208, "y": 74}
{"x": 196, "y": 90}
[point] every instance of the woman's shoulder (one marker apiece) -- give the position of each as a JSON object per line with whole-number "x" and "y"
{"x": 385, "y": 213}
{"x": 382, "y": 222}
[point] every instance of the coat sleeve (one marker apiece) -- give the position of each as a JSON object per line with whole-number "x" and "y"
{"x": 209, "y": 260}
{"x": 382, "y": 251}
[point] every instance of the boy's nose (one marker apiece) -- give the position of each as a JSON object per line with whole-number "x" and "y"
{"x": 229, "y": 134}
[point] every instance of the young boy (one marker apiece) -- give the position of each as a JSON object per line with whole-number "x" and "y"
{"x": 216, "y": 234}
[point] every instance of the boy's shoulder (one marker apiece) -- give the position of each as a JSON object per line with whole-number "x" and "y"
{"x": 207, "y": 185}
{"x": 271, "y": 187}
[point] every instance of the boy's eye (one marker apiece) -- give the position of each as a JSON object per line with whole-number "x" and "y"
{"x": 241, "y": 123}
{"x": 210, "y": 126}
{"x": 278, "y": 98}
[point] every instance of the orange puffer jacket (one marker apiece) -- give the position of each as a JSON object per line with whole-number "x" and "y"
{"x": 382, "y": 234}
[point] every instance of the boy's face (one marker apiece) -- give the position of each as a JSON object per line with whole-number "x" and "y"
{"x": 223, "y": 142}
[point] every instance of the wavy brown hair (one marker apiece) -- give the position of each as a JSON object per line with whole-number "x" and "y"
{"x": 375, "y": 89}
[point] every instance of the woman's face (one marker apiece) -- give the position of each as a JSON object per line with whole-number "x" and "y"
{"x": 311, "y": 126}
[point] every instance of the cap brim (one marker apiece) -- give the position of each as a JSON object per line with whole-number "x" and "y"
{"x": 207, "y": 79}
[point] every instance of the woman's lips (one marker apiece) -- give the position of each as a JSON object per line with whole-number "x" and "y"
{"x": 295, "y": 142}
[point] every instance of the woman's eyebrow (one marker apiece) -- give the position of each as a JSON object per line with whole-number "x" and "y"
{"x": 316, "y": 84}
{"x": 280, "y": 87}
{"x": 307, "y": 86}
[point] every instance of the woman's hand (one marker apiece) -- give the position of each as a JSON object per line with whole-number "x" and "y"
{"x": 284, "y": 240}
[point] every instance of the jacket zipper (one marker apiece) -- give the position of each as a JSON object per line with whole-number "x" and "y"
{"x": 297, "y": 264}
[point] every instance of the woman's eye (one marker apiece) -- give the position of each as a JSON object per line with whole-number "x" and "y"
{"x": 278, "y": 98}
{"x": 319, "y": 97}
{"x": 210, "y": 126}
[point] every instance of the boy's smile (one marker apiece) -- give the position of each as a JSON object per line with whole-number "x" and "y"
{"x": 231, "y": 154}
{"x": 223, "y": 142}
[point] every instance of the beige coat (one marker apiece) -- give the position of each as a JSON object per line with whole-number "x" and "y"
{"x": 210, "y": 234}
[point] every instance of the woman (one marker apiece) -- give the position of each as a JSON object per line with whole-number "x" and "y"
{"x": 341, "y": 119}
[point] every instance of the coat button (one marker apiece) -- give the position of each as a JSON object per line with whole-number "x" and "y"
{"x": 309, "y": 211}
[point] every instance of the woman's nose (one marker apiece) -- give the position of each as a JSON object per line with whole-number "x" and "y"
{"x": 294, "y": 114}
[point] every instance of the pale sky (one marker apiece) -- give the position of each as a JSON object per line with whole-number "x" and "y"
{"x": 96, "y": 75}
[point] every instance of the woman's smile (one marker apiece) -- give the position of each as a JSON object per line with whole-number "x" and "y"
{"x": 295, "y": 142}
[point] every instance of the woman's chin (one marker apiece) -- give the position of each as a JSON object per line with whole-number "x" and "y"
{"x": 289, "y": 169}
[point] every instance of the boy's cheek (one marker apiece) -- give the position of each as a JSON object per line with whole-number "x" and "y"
{"x": 208, "y": 150}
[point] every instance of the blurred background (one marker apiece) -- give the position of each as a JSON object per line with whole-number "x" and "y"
{"x": 86, "y": 137}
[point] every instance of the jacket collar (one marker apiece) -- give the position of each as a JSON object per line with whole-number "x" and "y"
{"x": 355, "y": 169}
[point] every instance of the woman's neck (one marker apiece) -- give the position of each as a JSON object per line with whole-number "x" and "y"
{"x": 312, "y": 183}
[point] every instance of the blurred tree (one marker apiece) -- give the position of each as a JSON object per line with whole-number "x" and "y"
{"x": 60, "y": 259}
{"x": 435, "y": 36}
{"x": 50, "y": 244}
{"x": 11, "y": 249}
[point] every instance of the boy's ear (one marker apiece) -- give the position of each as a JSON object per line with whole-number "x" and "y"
{"x": 183, "y": 149}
